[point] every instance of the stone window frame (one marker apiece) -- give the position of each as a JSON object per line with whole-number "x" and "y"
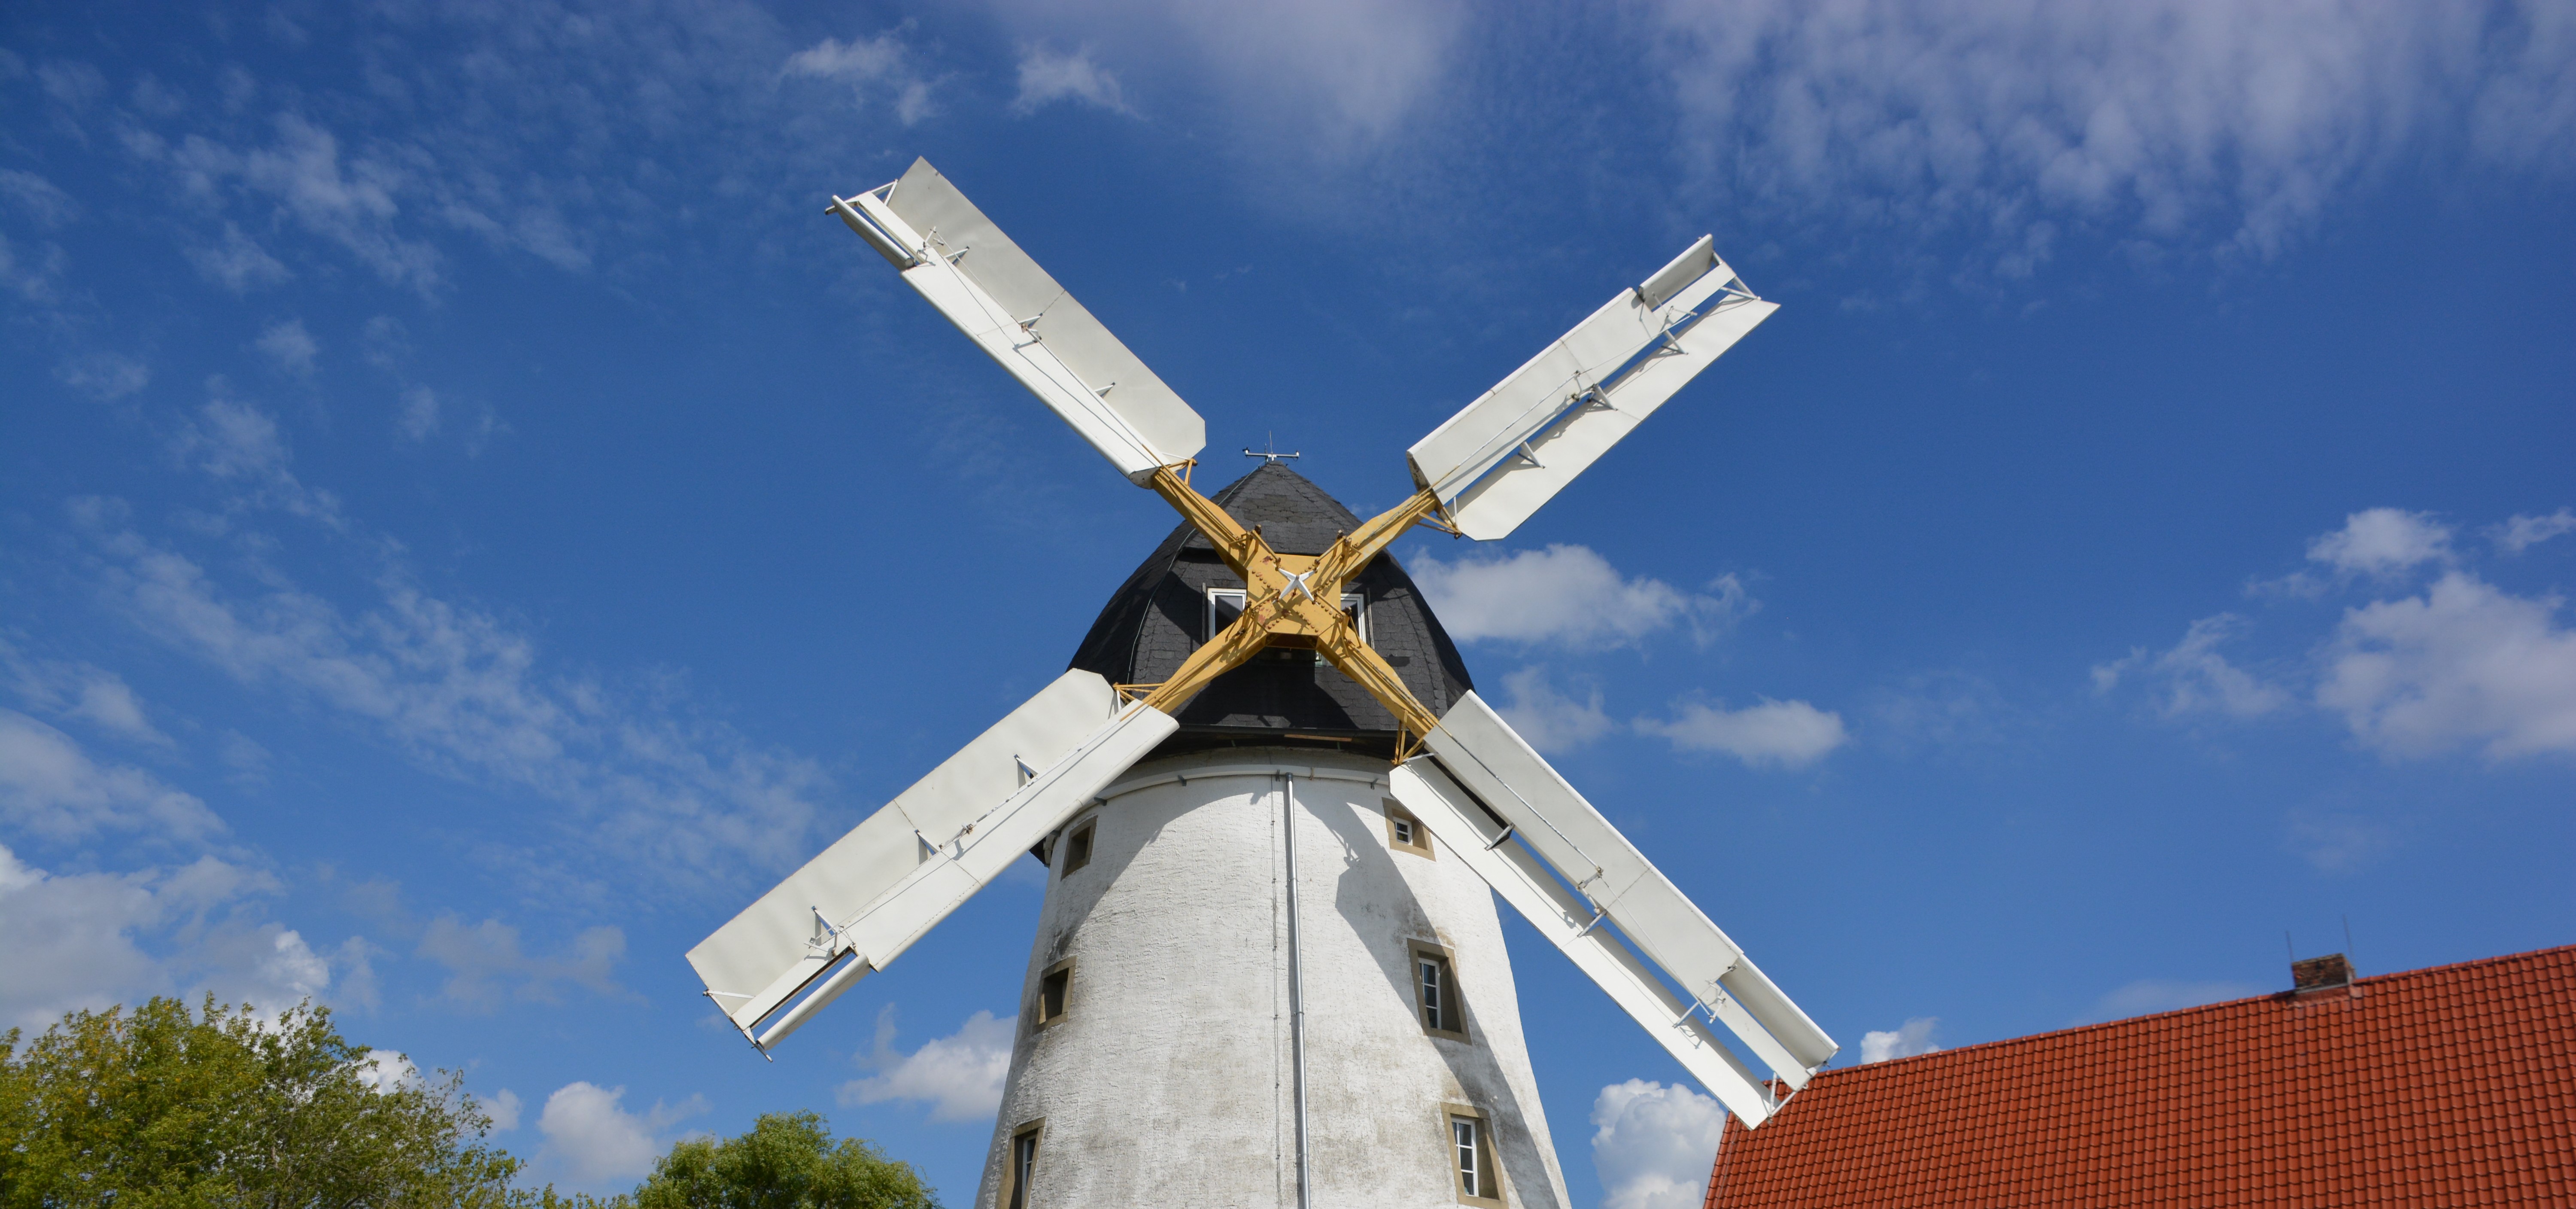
{"x": 1421, "y": 843}
{"x": 1079, "y": 841}
{"x": 1489, "y": 1170}
{"x": 1039, "y": 1020}
{"x": 1013, "y": 1194}
{"x": 1456, "y": 1008}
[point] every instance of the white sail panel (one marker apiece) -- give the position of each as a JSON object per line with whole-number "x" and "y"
{"x": 918, "y": 850}
{"x": 1510, "y": 451}
{"x": 995, "y": 293}
{"x": 1518, "y": 878}
{"x": 1490, "y": 760}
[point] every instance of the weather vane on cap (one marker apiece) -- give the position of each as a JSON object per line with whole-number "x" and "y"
{"x": 1270, "y": 450}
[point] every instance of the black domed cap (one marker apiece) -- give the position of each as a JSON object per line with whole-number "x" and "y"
{"x": 1160, "y": 615}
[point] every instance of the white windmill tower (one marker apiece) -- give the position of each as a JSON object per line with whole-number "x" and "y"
{"x": 1268, "y": 969}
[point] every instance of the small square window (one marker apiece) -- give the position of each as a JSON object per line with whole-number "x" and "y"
{"x": 1471, "y": 1156}
{"x": 1355, "y": 607}
{"x": 1404, "y": 832}
{"x": 1055, "y": 993}
{"x": 1019, "y": 1182}
{"x": 1077, "y": 847}
{"x": 1435, "y": 992}
{"x": 1224, "y": 605}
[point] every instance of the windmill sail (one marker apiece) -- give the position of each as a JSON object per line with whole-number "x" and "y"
{"x": 1471, "y": 834}
{"x": 1509, "y": 452}
{"x": 1010, "y": 307}
{"x": 856, "y": 907}
{"x": 1610, "y": 882}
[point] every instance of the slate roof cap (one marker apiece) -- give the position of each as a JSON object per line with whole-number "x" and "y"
{"x": 1158, "y": 616}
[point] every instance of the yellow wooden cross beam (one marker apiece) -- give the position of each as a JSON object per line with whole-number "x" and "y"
{"x": 1293, "y": 600}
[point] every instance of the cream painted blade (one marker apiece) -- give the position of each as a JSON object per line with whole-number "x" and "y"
{"x": 1473, "y": 836}
{"x": 1509, "y": 452}
{"x": 1624, "y": 889}
{"x": 857, "y": 906}
{"x": 1003, "y": 301}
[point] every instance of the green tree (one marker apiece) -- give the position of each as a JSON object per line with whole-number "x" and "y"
{"x": 165, "y": 1109}
{"x": 787, "y": 1161}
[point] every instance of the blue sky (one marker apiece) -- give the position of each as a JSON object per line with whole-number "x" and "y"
{"x": 469, "y": 521}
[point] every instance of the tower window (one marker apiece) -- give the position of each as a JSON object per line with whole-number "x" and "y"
{"x": 1435, "y": 992}
{"x": 1019, "y": 1180}
{"x": 1404, "y": 832}
{"x": 1471, "y": 1155}
{"x": 1055, "y": 992}
{"x": 1224, "y": 605}
{"x": 1077, "y": 846}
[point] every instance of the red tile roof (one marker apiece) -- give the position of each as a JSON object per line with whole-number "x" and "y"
{"x": 2449, "y": 1086}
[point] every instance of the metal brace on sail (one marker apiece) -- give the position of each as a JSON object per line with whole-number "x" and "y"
{"x": 827, "y": 939}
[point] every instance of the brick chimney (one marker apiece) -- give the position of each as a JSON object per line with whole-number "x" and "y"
{"x": 2328, "y": 973}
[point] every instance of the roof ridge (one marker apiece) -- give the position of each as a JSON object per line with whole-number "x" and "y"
{"x": 2027, "y": 1038}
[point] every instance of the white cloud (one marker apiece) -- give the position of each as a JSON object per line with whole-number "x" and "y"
{"x": 485, "y": 963}
{"x": 2382, "y": 542}
{"x": 289, "y": 965}
{"x": 2339, "y": 843}
{"x": 1571, "y": 596}
{"x": 50, "y": 787}
{"x": 1549, "y": 720}
{"x": 2152, "y": 119}
{"x": 1653, "y": 1145}
{"x": 233, "y": 440}
{"x": 240, "y": 445}
{"x": 1333, "y": 75}
{"x": 2194, "y": 677}
{"x": 2148, "y": 996}
{"x": 38, "y": 197}
{"x": 32, "y": 278}
{"x": 353, "y": 971}
{"x": 1784, "y": 734}
{"x": 960, "y": 1075}
{"x": 2375, "y": 543}
{"x": 2523, "y": 532}
{"x": 82, "y": 691}
{"x": 1047, "y": 77}
{"x": 418, "y": 419}
{"x": 462, "y": 693}
{"x": 105, "y": 377}
{"x": 503, "y": 1107}
{"x": 1944, "y": 709}
{"x": 590, "y": 1137}
{"x": 385, "y": 343}
{"x": 302, "y": 175}
{"x": 237, "y": 262}
{"x": 383, "y": 1072}
{"x": 1905, "y": 1041}
{"x": 69, "y": 941}
{"x": 88, "y": 940}
{"x": 2463, "y": 664}
{"x": 243, "y": 758}
{"x": 882, "y": 65}
{"x": 290, "y": 347}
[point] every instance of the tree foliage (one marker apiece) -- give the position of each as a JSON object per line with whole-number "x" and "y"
{"x": 167, "y": 1109}
{"x": 787, "y": 1161}
{"x": 164, "y": 1108}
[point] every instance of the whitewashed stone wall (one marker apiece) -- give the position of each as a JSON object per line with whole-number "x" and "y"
{"x": 1167, "y": 1082}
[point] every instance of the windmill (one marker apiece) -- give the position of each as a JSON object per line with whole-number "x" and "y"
{"x": 1268, "y": 694}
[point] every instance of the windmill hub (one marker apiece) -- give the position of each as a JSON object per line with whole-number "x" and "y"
{"x": 1268, "y": 967}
